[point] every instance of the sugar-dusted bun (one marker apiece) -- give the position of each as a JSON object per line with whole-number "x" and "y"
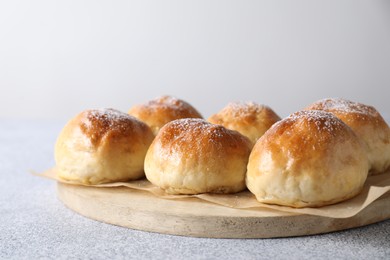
{"x": 101, "y": 146}
{"x": 159, "y": 111}
{"x": 192, "y": 156}
{"x": 308, "y": 159}
{"x": 368, "y": 125}
{"x": 250, "y": 119}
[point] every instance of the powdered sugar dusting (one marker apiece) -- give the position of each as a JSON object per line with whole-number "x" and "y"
{"x": 97, "y": 122}
{"x": 187, "y": 123}
{"x": 107, "y": 113}
{"x": 108, "y": 116}
{"x": 178, "y": 107}
{"x": 324, "y": 121}
{"x": 199, "y": 138}
{"x": 168, "y": 100}
{"x": 240, "y": 109}
{"x": 344, "y": 106}
{"x": 307, "y": 130}
{"x": 199, "y": 126}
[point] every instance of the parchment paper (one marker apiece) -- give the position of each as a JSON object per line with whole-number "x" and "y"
{"x": 375, "y": 187}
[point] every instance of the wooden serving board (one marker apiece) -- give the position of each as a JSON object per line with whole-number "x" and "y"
{"x": 193, "y": 217}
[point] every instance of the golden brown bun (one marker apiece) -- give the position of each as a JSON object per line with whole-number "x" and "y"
{"x": 100, "y": 146}
{"x": 192, "y": 156}
{"x": 250, "y": 119}
{"x": 159, "y": 111}
{"x": 368, "y": 125}
{"x": 308, "y": 159}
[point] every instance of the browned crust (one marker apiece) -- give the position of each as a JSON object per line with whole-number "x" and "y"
{"x": 197, "y": 138}
{"x": 305, "y": 136}
{"x": 159, "y": 111}
{"x": 245, "y": 114}
{"x": 248, "y": 118}
{"x": 103, "y": 126}
{"x": 351, "y": 113}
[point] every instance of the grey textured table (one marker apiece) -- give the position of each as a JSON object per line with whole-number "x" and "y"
{"x": 35, "y": 224}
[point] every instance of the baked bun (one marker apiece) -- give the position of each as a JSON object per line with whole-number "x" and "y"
{"x": 308, "y": 159}
{"x": 250, "y": 119}
{"x": 159, "y": 111}
{"x": 192, "y": 156}
{"x": 367, "y": 124}
{"x": 101, "y": 146}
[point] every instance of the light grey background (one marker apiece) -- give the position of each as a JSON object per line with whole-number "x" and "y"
{"x": 60, "y": 57}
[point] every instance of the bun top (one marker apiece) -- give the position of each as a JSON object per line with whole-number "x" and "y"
{"x": 250, "y": 119}
{"x": 102, "y": 126}
{"x": 159, "y": 111}
{"x": 195, "y": 138}
{"x": 305, "y": 135}
{"x": 348, "y": 111}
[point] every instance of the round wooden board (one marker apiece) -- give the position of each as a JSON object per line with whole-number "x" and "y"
{"x": 193, "y": 217}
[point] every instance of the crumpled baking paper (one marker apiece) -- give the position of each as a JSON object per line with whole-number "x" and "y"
{"x": 374, "y": 188}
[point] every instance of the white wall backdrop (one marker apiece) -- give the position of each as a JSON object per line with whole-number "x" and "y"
{"x": 60, "y": 57}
